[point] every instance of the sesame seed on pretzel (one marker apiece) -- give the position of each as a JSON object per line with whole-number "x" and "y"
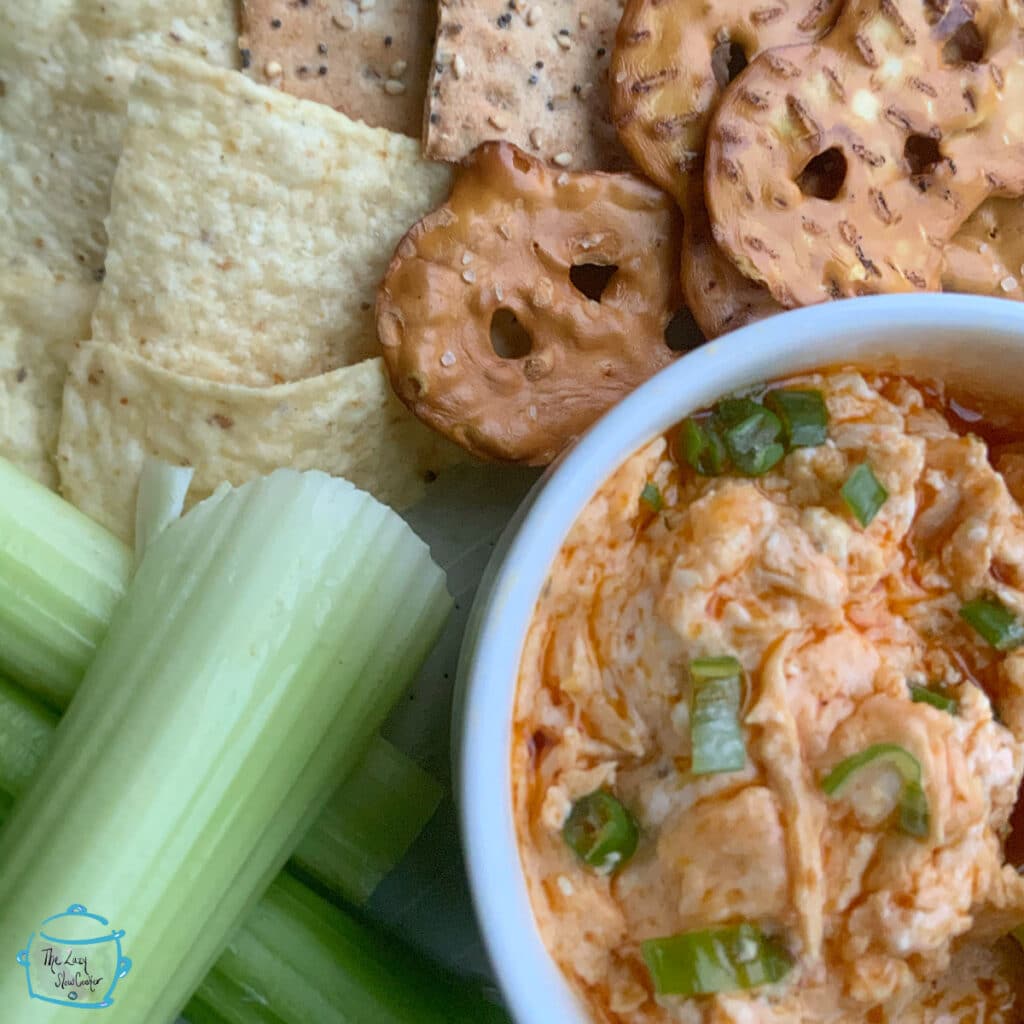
{"x": 531, "y": 301}
{"x": 844, "y": 168}
{"x": 672, "y": 60}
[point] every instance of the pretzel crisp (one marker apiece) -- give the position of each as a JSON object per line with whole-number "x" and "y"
{"x": 986, "y": 256}
{"x": 672, "y": 60}
{"x": 506, "y": 266}
{"x": 844, "y": 168}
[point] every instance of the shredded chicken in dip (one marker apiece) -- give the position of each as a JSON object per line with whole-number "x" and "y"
{"x": 832, "y": 623}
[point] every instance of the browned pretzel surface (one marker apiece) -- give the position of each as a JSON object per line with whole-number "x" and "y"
{"x": 488, "y": 331}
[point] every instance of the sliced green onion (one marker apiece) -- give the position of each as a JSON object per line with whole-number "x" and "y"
{"x": 730, "y": 411}
{"x": 160, "y": 500}
{"x": 263, "y": 640}
{"x": 994, "y": 623}
{"x": 716, "y": 737}
{"x": 913, "y": 805}
{"x": 863, "y": 494}
{"x": 923, "y": 695}
{"x": 728, "y": 959}
{"x": 803, "y": 414}
{"x": 702, "y": 447}
{"x": 601, "y": 832}
{"x": 753, "y": 443}
{"x": 651, "y": 496}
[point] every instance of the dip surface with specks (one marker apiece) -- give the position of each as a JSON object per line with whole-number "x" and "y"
{"x": 832, "y": 623}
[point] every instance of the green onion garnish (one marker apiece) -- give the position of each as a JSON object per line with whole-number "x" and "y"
{"x": 651, "y": 496}
{"x": 993, "y": 622}
{"x": 702, "y": 447}
{"x": 716, "y": 737}
{"x": 913, "y": 806}
{"x": 753, "y": 443}
{"x": 863, "y": 494}
{"x": 922, "y": 695}
{"x": 727, "y": 959}
{"x": 803, "y": 414}
{"x": 601, "y": 832}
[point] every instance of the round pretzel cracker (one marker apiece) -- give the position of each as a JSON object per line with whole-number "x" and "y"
{"x": 505, "y": 243}
{"x": 844, "y": 168}
{"x": 986, "y": 256}
{"x": 670, "y": 64}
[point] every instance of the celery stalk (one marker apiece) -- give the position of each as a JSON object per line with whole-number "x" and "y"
{"x": 298, "y": 959}
{"x": 370, "y": 823}
{"x": 366, "y": 828}
{"x": 347, "y": 973}
{"x": 61, "y": 575}
{"x": 263, "y": 640}
{"x": 161, "y": 497}
{"x": 26, "y": 733}
{"x": 378, "y": 811}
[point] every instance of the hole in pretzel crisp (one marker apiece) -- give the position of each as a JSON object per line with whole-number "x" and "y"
{"x": 509, "y": 338}
{"x": 682, "y": 333}
{"x": 922, "y": 154}
{"x": 727, "y": 61}
{"x": 965, "y": 46}
{"x": 592, "y": 279}
{"x": 823, "y": 176}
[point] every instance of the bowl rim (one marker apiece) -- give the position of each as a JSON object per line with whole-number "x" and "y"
{"x": 534, "y": 988}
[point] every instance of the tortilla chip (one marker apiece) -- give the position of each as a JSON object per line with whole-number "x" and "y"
{"x": 66, "y": 67}
{"x": 532, "y": 74}
{"x": 40, "y": 320}
{"x": 369, "y": 61}
{"x": 249, "y": 230}
{"x": 118, "y": 408}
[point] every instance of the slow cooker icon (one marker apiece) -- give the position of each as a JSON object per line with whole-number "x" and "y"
{"x": 75, "y": 960}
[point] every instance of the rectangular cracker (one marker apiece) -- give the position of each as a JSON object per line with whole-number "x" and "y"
{"x": 66, "y": 67}
{"x": 534, "y": 74}
{"x": 119, "y": 407}
{"x": 250, "y": 230}
{"x": 368, "y": 60}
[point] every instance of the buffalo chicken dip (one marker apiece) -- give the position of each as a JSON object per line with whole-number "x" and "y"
{"x": 769, "y": 727}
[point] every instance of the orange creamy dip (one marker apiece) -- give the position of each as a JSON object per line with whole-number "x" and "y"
{"x": 831, "y": 622}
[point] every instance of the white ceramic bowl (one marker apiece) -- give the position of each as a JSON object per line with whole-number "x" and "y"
{"x": 973, "y": 341}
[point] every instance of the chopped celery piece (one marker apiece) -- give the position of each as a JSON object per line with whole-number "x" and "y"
{"x": 315, "y": 964}
{"x": 724, "y": 959}
{"x": 262, "y": 641}
{"x": 26, "y": 733}
{"x": 61, "y": 576}
{"x": 161, "y": 497}
{"x": 370, "y": 822}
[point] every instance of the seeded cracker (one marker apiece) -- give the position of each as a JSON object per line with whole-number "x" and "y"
{"x": 535, "y": 74}
{"x": 244, "y": 229}
{"x": 65, "y": 70}
{"x": 366, "y": 58}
